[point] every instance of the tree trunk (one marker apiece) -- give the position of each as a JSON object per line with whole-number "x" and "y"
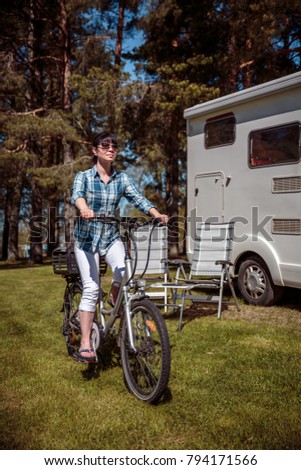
{"x": 5, "y": 237}
{"x": 173, "y": 188}
{"x": 53, "y": 225}
{"x": 233, "y": 69}
{"x": 14, "y": 178}
{"x": 36, "y": 225}
{"x": 120, "y": 27}
{"x": 68, "y": 208}
{"x": 68, "y": 151}
{"x": 229, "y": 86}
{"x": 13, "y": 209}
{"x": 36, "y": 101}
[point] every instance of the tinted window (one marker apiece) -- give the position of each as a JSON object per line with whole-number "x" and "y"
{"x": 220, "y": 130}
{"x": 275, "y": 146}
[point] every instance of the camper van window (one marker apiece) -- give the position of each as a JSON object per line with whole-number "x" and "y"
{"x": 274, "y": 146}
{"x": 220, "y": 130}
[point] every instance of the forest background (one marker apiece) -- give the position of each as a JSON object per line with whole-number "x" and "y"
{"x": 64, "y": 76}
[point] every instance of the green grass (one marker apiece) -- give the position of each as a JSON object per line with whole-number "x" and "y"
{"x": 235, "y": 383}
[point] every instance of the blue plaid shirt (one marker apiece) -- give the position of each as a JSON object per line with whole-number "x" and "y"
{"x": 103, "y": 199}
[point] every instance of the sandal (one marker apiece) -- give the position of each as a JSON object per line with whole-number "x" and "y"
{"x": 86, "y": 359}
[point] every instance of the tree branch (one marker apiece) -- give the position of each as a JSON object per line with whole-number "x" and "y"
{"x": 34, "y": 112}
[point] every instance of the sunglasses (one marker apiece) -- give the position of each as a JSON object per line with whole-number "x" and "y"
{"x": 107, "y": 145}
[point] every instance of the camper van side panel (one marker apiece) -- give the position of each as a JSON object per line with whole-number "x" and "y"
{"x": 264, "y": 199}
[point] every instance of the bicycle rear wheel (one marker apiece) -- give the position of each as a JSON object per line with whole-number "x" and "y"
{"x": 146, "y": 370}
{"x": 71, "y": 326}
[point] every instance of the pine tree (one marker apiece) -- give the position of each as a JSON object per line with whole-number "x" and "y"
{"x": 258, "y": 41}
{"x": 178, "y": 79}
{"x": 36, "y": 114}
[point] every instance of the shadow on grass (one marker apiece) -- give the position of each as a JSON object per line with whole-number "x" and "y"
{"x": 108, "y": 358}
{"x": 192, "y": 312}
{"x": 291, "y": 299}
{"x": 23, "y": 263}
{"x": 165, "y": 398}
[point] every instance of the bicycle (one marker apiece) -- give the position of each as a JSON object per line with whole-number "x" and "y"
{"x": 141, "y": 333}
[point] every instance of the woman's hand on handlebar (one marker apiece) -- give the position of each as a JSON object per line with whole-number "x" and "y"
{"x": 163, "y": 218}
{"x": 84, "y": 210}
{"x": 87, "y": 213}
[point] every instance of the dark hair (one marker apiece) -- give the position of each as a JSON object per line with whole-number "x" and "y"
{"x": 104, "y": 136}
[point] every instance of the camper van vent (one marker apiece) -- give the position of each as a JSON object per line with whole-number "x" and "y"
{"x": 291, "y": 184}
{"x": 287, "y": 226}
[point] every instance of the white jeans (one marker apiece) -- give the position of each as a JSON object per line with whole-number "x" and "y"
{"x": 88, "y": 265}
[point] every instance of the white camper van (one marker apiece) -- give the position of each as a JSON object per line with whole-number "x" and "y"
{"x": 244, "y": 164}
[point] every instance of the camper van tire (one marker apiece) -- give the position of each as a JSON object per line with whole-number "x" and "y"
{"x": 255, "y": 283}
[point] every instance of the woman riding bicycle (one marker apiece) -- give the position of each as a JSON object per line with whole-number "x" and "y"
{"x": 99, "y": 191}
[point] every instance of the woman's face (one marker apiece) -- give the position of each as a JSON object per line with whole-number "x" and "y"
{"x": 106, "y": 151}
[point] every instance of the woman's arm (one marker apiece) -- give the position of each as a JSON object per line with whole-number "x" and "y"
{"x": 78, "y": 196}
{"x": 138, "y": 200}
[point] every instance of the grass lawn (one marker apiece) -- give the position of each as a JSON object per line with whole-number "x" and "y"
{"x": 235, "y": 383}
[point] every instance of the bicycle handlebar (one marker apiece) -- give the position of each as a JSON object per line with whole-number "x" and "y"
{"x": 105, "y": 218}
{"x": 132, "y": 223}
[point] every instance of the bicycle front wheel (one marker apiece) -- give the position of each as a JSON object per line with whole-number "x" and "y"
{"x": 146, "y": 370}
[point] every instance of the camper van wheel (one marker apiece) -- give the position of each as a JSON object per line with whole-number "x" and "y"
{"x": 255, "y": 284}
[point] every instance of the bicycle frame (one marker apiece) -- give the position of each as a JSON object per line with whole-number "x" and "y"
{"x": 125, "y": 296}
